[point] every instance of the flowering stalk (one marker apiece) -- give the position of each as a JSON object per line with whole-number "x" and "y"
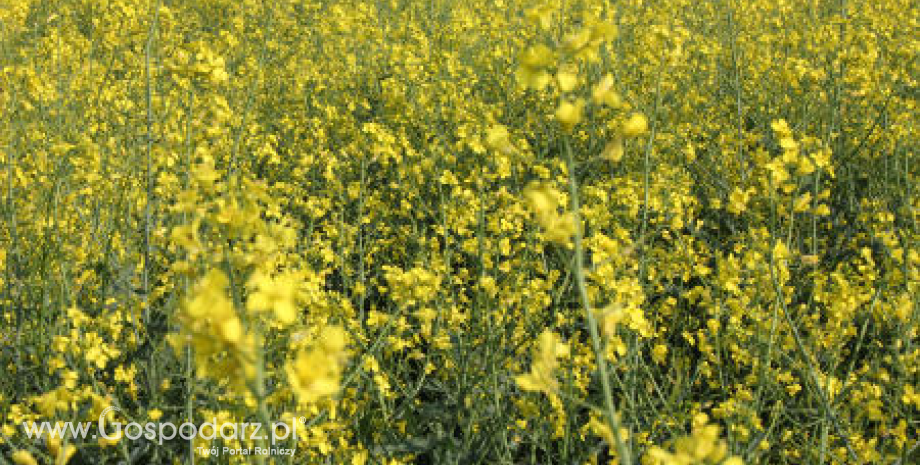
{"x": 612, "y": 417}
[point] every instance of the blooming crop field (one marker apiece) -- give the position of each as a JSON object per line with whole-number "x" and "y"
{"x": 390, "y": 232}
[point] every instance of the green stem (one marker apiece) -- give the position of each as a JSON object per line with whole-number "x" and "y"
{"x": 612, "y": 417}
{"x": 259, "y": 391}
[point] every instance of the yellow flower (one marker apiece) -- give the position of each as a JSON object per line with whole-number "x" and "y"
{"x": 737, "y": 201}
{"x": 614, "y": 151}
{"x": 498, "y": 139}
{"x": 532, "y": 72}
{"x": 602, "y": 429}
{"x": 635, "y": 126}
{"x": 537, "y": 57}
{"x": 315, "y": 373}
{"x": 801, "y": 204}
{"x": 580, "y": 45}
{"x": 780, "y": 251}
{"x": 805, "y": 166}
{"x": 602, "y": 31}
{"x": 230, "y": 329}
{"x": 541, "y": 15}
{"x": 560, "y": 229}
{"x": 544, "y": 201}
{"x": 777, "y": 170}
{"x": 24, "y": 457}
{"x": 541, "y": 377}
{"x": 911, "y": 397}
{"x": 277, "y": 294}
{"x": 788, "y": 144}
{"x": 781, "y": 127}
{"x": 659, "y": 353}
{"x": 610, "y": 317}
{"x": 603, "y": 93}
{"x": 566, "y": 80}
{"x": 533, "y": 78}
{"x": 212, "y": 327}
{"x": 187, "y": 237}
{"x": 704, "y": 445}
{"x": 569, "y": 113}
{"x": 62, "y": 454}
{"x": 691, "y": 151}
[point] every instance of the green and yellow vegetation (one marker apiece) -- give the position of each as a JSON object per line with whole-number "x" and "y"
{"x": 463, "y": 231}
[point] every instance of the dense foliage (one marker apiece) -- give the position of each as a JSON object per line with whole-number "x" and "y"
{"x": 463, "y": 231}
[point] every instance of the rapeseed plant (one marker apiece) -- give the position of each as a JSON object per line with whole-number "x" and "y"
{"x": 462, "y": 231}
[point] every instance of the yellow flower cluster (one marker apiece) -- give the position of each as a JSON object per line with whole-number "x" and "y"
{"x": 545, "y": 202}
{"x": 571, "y": 225}
{"x": 702, "y": 446}
{"x": 541, "y": 377}
{"x": 211, "y": 326}
{"x": 315, "y": 372}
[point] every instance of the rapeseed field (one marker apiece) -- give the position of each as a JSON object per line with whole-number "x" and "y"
{"x": 459, "y": 232}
